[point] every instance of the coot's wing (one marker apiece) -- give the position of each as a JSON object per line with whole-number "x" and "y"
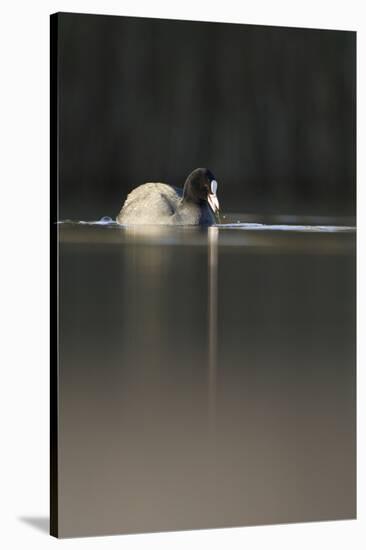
{"x": 171, "y": 196}
{"x": 150, "y": 203}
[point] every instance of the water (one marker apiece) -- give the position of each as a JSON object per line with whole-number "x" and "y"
{"x": 206, "y": 376}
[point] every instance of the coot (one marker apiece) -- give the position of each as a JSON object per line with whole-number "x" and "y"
{"x": 160, "y": 203}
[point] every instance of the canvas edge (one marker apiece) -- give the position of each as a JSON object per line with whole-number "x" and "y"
{"x": 53, "y": 503}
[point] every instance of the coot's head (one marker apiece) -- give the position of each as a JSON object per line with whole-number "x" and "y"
{"x": 201, "y": 186}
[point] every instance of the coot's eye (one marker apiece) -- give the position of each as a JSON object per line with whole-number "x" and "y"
{"x": 213, "y": 186}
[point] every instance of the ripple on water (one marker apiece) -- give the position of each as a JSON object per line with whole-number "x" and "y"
{"x": 108, "y": 221}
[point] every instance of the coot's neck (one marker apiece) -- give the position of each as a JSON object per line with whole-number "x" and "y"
{"x": 188, "y": 195}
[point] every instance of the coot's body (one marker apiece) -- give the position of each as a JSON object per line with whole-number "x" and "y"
{"x": 159, "y": 203}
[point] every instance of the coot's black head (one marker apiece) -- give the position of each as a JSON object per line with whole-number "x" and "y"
{"x": 201, "y": 187}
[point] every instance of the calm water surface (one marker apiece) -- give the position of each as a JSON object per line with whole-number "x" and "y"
{"x": 206, "y": 376}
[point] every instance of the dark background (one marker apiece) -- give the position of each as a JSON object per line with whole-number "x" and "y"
{"x": 271, "y": 111}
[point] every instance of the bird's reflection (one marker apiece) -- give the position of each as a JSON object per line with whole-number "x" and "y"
{"x": 213, "y": 235}
{"x": 152, "y": 266}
